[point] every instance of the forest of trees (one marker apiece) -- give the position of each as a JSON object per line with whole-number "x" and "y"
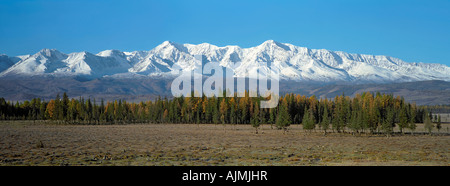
{"x": 364, "y": 113}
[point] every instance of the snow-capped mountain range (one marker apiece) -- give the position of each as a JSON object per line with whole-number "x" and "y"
{"x": 294, "y": 63}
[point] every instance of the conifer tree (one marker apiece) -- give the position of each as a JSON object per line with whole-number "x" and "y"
{"x": 325, "y": 123}
{"x": 244, "y": 111}
{"x": 233, "y": 115}
{"x": 42, "y": 109}
{"x": 308, "y": 120}
{"x": 65, "y": 105}
{"x": 263, "y": 115}
{"x": 428, "y": 125}
{"x": 272, "y": 116}
{"x": 208, "y": 110}
{"x": 58, "y": 110}
{"x": 88, "y": 109}
{"x": 412, "y": 119}
{"x": 438, "y": 123}
{"x": 388, "y": 123}
{"x": 283, "y": 119}
{"x": 216, "y": 115}
{"x": 102, "y": 111}
{"x": 354, "y": 125}
{"x": 71, "y": 111}
{"x": 223, "y": 111}
{"x": 255, "y": 120}
{"x": 403, "y": 118}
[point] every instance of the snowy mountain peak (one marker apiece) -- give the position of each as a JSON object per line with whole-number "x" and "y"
{"x": 52, "y": 53}
{"x": 169, "y": 45}
{"x": 271, "y": 44}
{"x": 109, "y": 53}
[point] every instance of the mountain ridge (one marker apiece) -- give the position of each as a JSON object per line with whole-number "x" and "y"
{"x": 294, "y": 63}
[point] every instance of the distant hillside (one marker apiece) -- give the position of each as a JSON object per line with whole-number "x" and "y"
{"x": 433, "y": 92}
{"x": 422, "y": 92}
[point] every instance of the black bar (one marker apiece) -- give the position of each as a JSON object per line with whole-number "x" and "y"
{"x": 247, "y": 175}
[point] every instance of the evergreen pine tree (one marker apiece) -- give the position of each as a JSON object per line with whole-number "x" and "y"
{"x": 58, "y": 111}
{"x": 438, "y": 123}
{"x": 354, "y": 125}
{"x": 308, "y": 121}
{"x": 216, "y": 113}
{"x": 223, "y": 111}
{"x": 388, "y": 123}
{"x": 412, "y": 119}
{"x": 71, "y": 111}
{"x": 403, "y": 118}
{"x": 102, "y": 114}
{"x": 272, "y": 116}
{"x": 283, "y": 119}
{"x": 65, "y": 105}
{"x": 42, "y": 109}
{"x": 325, "y": 123}
{"x": 233, "y": 115}
{"x": 255, "y": 120}
{"x": 428, "y": 125}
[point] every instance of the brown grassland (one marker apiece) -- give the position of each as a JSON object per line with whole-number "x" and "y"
{"x": 26, "y": 143}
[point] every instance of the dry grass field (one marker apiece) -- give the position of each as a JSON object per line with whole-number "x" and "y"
{"x": 25, "y": 143}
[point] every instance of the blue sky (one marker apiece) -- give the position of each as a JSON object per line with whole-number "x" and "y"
{"x": 415, "y": 31}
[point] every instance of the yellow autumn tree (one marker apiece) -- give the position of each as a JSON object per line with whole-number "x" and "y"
{"x": 165, "y": 114}
{"x": 50, "y": 109}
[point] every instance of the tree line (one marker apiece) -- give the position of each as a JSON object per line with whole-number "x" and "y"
{"x": 364, "y": 113}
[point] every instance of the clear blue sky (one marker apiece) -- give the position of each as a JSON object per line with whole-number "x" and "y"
{"x": 415, "y": 31}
